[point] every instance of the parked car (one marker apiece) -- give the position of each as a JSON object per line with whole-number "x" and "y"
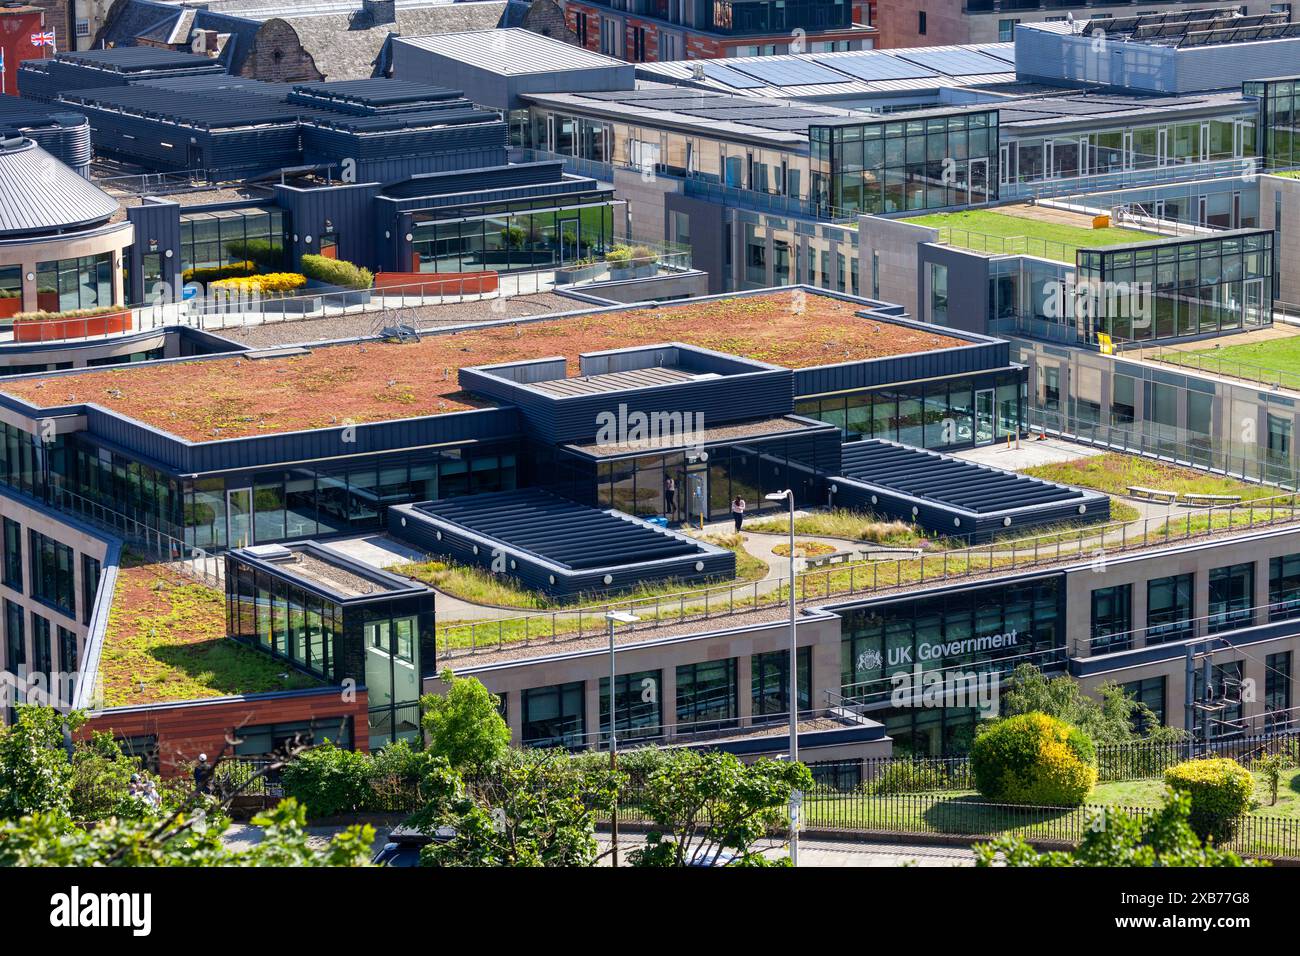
{"x": 405, "y": 843}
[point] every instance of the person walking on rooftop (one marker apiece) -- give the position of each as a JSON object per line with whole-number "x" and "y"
{"x": 738, "y": 511}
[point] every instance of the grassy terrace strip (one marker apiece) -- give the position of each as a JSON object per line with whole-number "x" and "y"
{"x": 166, "y": 640}
{"x": 1114, "y": 473}
{"x": 378, "y": 381}
{"x": 1272, "y": 361}
{"x": 480, "y": 586}
{"x": 996, "y": 232}
{"x": 863, "y": 577}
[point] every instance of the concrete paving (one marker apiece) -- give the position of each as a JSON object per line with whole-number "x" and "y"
{"x": 1027, "y": 454}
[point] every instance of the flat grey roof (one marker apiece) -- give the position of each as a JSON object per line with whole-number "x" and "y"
{"x": 612, "y": 382}
{"x": 512, "y": 52}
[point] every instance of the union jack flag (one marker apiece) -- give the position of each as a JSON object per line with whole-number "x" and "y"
{"x": 43, "y": 39}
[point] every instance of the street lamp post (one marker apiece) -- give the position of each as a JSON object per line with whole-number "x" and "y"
{"x": 793, "y": 692}
{"x": 614, "y": 617}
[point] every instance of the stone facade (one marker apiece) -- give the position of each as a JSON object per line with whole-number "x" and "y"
{"x": 278, "y": 57}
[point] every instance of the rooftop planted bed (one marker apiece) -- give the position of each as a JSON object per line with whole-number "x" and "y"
{"x": 166, "y": 641}
{"x": 377, "y": 381}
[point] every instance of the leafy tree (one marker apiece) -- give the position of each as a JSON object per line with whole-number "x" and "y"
{"x": 49, "y": 838}
{"x": 35, "y": 773}
{"x": 1110, "y": 720}
{"x": 709, "y": 804}
{"x": 1163, "y": 838}
{"x": 464, "y": 725}
{"x": 534, "y": 808}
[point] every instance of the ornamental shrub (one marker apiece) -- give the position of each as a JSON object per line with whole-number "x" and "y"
{"x": 262, "y": 252}
{"x": 329, "y": 780}
{"x": 1034, "y": 759}
{"x": 69, "y": 313}
{"x": 911, "y": 776}
{"x": 270, "y": 282}
{"x": 1221, "y": 790}
{"x": 337, "y": 272}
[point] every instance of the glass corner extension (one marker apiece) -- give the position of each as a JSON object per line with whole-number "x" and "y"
{"x": 926, "y": 161}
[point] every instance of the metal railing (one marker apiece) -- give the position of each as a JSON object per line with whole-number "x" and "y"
{"x": 1178, "y": 447}
{"x": 869, "y": 577}
{"x": 1216, "y": 364}
{"x": 1131, "y": 178}
{"x": 1007, "y": 245}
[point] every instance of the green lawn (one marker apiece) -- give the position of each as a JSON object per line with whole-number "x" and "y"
{"x": 1271, "y": 360}
{"x": 1017, "y": 234}
{"x": 1113, "y": 473}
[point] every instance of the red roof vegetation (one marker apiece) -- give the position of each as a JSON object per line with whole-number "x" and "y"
{"x": 377, "y": 381}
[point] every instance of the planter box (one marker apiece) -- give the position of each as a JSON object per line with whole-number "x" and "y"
{"x": 53, "y": 330}
{"x": 436, "y": 283}
{"x": 337, "y": 295}
{"x": 634, "y": 272}
{"x": 48, "y": 301}
{"x": 579, "y": 273}
{"x": 10, "y": 307}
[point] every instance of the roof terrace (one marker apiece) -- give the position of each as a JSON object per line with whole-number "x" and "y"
{"x": 372, "y": 380}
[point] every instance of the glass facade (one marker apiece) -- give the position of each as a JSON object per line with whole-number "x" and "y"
{"x": 1175, "y": 288}
{"x": 1157, "y": 145}
{"x": 638, "y": 707}
{"x": 228, "y": 237}
{"x": 770, "y": 684}
{"x": 921, "y": 162}
{"x": 942, "y": 413}
{"x": 83, "y": 283}
{"x": 1169, "y": 608}
{"x": 1149, "y": 691}
{"x": 51, "y": 573}
{"x": 1277, "y": 692}
{"x": 707, "y": 696}
{"x": 383, "y": 643}
{"x": 514, "y": 236}
{"x": 554, "y": 716}
{"x": 779, "y": 16}
{"x": 1112, "y": 619}
{"x": 1284, "y": 587}
{"x": 1279, "y": 117}
{"x": 13, "y": 554}
{"x": 983, "y": 629}
{"x": 1232, "y": 597}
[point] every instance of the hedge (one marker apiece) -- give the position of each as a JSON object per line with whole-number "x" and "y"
{"x": 267, "y": 254}
{"x": 208, "y": 274}
{"x": 337, "y": 272}
{"x": 1221, "y": 791}
{"x": 1034, "y": 759}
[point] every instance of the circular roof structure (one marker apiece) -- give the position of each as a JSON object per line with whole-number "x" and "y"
{"x": 39, "y": 195}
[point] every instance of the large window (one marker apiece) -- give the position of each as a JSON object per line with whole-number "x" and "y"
{"x": 1112, "y": 619}
{"x": 83, "y": 283}
{"x": 1169, "y": 608}
{"x": 770, "y": 683}
{"x": 1277, "y": 691}
{"x": 90, "y": 571}
{"x": 1180, "y": 287}
{"x": 52, "y": 573}
{"x": 1232, "y": 593}
{"x": 1225, "y": 690}
{"x": 706, "y": 695}
{"x": 909, "y": 164}
{"x": 228, "y": 237}
{"x": 554, "y": 716}
{"x": 515, "y": 236}
{"x": 637, "y": 706}
{"x": 1149, "y": 691}
{"x": 13, "y": 554}
{"x": 1284, "y": 587}
{"x": 15, "y": 638}
{"x": 42, "y": 649}
{"x": 68, "y": 660}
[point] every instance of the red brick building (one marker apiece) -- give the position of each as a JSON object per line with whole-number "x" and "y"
{"x": 18, "y": 24}
{"x": 645, "y": 31}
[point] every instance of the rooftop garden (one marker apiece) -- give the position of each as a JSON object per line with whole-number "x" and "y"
{"x": 378, "y": 381}
{"x": 1273, "y": 360}
{"x": 1114, "y": 473}
{"x": 1002, "y": 233}
{"x": 166, "y": 641}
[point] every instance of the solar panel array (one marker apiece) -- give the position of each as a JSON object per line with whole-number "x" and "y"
{"x": 718, "y": 107}
{"x": 868, "y": 66}
{"x": 559, "y": 530}
{"x": 949, "y": 481}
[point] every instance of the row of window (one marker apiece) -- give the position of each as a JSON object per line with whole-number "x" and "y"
{"x": 1170, "y": 603}
{"x": 707, "y": 698}
{"x": 51, "y": 570}
{"x": 44, "y": 637}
